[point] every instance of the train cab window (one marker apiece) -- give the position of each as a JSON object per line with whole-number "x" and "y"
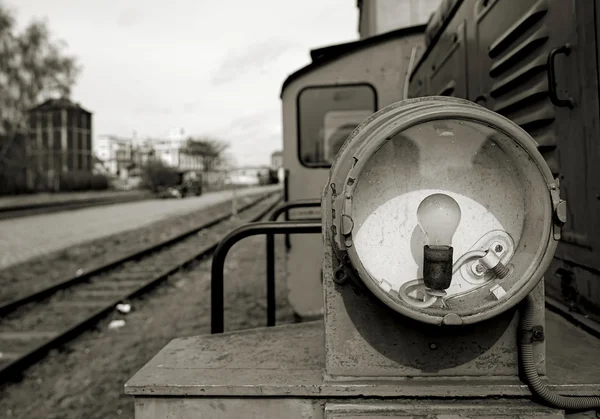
{"x": 327, "y": 115}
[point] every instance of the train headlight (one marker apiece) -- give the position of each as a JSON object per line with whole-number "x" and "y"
{"x": 445, "y": 210}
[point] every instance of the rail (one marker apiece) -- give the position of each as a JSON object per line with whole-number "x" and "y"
{"x": 137, "y": 285}
{"x": 218, "y": 263}
{"x": 283, "y": 208}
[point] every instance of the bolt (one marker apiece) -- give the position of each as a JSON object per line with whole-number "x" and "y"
{"x": 432, "y": 346}
{"x": 498, "y": 248}
{"x": 479, "y": 268}
{"x": 339, "y": 276}
{"x": 538, "y": 334}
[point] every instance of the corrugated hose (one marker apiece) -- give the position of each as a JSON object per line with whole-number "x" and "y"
{"x": 537, "y": 387}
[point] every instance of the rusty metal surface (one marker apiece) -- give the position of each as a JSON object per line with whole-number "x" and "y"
{"x": 228, "y": 408}
{"x": 295, "y": 408}
{"x": 375, "y": 341}
{"x": 289, "y": 361}
{"x": 436, "y": 409}
{"x": 276, "y": 408}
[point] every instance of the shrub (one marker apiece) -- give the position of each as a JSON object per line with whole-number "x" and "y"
{"x": 99, "y": 182}
{"x": 82, "y": 181}
{"x": 156, "y": 174}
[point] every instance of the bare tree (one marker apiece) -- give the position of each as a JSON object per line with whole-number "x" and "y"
{"x": 210, "y": 150}
{"x": 33, "y": 67}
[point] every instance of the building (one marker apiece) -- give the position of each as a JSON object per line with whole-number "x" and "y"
{"x": 120, "y": 154}
{"x": 380, "y": 16}
{"x": 172, "y": 153}
{"x": 116, "y": 153}
{"x": 277, "y": 165}
{"x": 277, "y": 160}
{"x": 251, "y": 175}
{"x": 59, "y": 141}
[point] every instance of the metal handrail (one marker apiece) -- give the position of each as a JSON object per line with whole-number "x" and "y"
{"x": 218, "y": 263}
{"x": 284, "y": 207}
{"x": 286, "y": 198}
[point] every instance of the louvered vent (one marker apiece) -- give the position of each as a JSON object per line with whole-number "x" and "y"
{"x": 520, "y": 80}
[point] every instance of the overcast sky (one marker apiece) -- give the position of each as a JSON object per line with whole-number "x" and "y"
{"x": 209, "y": 67}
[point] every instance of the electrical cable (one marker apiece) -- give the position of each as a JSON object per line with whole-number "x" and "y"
{"x": 537, "y": 387}
{"x": 403, "y": 291}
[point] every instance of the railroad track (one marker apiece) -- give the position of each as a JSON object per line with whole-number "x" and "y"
{"x": 34, "y": 324}
{"x": 59, "y": 206}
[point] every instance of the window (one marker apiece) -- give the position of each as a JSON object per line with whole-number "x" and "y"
{"x": 327, "y": 115}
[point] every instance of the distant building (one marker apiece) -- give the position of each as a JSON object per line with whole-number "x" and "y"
{"x": 277, "y": 165}
{"x": 171, "y": 151}
{"x": 277, "y": 160}
{"x": 380, "y": 16}
{"x": 250, "y": 175}
{"x": 116, "y": 153}
{"x": 59, "y": 141}
{"x": 119, "y": 155}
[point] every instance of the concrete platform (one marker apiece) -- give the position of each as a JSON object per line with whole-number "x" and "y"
{"x": 24, "y": 238}
{"x": 7, "y": 202}
{"x": 288, "y": 361}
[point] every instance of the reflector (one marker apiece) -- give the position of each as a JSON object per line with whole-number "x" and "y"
{"x": 444, "y": 210}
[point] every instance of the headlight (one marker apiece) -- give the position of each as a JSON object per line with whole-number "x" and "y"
{"x": 445, "y": 210}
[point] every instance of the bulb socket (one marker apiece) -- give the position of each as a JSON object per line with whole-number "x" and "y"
{"x": 437, "y": 266}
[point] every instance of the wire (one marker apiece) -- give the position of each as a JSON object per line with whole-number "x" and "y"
{"x": 416, "y": 283}
{"x": 535, "y": 383}
{"x": 415, "y": 303}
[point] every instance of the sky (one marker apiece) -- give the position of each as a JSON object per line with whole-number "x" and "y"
{"x": 209, "y": 67}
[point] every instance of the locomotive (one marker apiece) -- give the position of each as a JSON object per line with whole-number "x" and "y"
{"x": 443, "y": 221}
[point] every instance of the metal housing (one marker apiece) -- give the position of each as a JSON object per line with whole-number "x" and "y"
{"x": 373, "y": 133}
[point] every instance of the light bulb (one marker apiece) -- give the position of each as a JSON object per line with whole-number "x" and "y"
{"x": 439, "y": 216}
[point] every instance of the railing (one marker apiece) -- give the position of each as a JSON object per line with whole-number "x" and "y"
{"x": 218, "y": 263}
{"x": 284, "y": 208}
{"x": 286, "y": 198}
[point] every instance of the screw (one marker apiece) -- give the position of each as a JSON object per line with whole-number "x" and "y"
{"x": 538, "y": 334}
{"x": 479, "y": 268}
{"x": 498, "y": 248}
{"x": 432, "y": 346}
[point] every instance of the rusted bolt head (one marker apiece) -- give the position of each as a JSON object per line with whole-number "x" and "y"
{"x": 339, "y": 276}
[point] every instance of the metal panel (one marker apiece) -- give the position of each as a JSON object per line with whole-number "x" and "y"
{"x": 513, "y": 42}
{"x": 383, "y": 65}
{"x": 449, "y": 70}
{"x": 576, "y": 273}
{"x": 227, "y": 408}
{"x": 267, "y": 408}
{"x": 512, "y": 70}
{"x": 391, "y": 345}
{"x": 437, "y": 409}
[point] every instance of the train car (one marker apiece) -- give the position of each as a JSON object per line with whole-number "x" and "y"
{"x": 321, "y": 104}
{"x": 440, "y": 220}
{"x": 535, "y": 62}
